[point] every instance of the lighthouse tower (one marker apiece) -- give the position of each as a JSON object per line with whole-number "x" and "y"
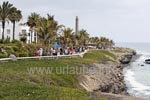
{"x": 76, "y": 25}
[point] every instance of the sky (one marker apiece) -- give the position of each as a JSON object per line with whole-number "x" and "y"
{"x": 120, "y": 20}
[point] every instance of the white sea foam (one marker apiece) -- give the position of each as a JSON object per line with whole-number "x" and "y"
{"x": 142, "y": 58}
{"x": 136, "y": 88}
{"x": 143, "y": 52}
{"x": 136, "y": 76}
{"x": 134, "y": 84}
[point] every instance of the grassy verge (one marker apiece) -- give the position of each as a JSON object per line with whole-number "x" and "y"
{"x": 20, "y": 81}
{"x": 28, "y": 91}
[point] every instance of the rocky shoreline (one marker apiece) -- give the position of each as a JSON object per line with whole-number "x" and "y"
{"x": 108, "y": 77}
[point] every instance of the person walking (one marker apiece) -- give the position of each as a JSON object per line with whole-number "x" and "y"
{"x": 41, "y": 51}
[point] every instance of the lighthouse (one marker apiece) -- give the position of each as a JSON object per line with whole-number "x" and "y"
{"x": 76, "y": 25}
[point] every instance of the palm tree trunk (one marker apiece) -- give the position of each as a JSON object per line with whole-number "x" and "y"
{"x": 13, "y": 30}
{"x": 3, "y": 27}
{"x": 31, "y": 35}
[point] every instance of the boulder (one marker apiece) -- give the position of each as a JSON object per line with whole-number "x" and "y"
{"x": 142, "y": 65}
{"x": 134, "y": 52}
{"x": 13, "y": 57}
{"x": 125, "y": 59}
{"x": 147, "y": 61}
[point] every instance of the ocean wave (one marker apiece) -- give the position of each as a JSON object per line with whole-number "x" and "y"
{"x": 136, "y": 88}
{"x": 142, "y": 58}
{"x": 143, "y": 52}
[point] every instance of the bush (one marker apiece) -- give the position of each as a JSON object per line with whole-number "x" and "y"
{"x": 7, "y": 40}
{"x": 23, "y": 39}
{"x": 15, "y": 41}
{"x": 23, "y": 54}
{"x": 3, "y": 55}
{"x": 9, "y": 50}
{"x": 16, "y": 54}
{"x": 32, "y": 46}
{"x": 31, "y": 49}
{"x": 1, "y": 40}
{"x": 19, "y": 44}
{"x": 44, "y": 53}
{"x": 16, "y": 49}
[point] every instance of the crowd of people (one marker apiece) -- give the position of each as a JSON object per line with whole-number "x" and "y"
{"x": 60, "y": 51}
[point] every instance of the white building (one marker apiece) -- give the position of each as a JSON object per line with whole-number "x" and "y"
{"x": 20, "y": 31}
{"x": 7, "y": 32}
{"x": 25, "y": 32}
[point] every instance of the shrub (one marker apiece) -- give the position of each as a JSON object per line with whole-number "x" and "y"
{"x": 23, "y": 39}
{"x": 3, "y": 55}
{"x": 16, "y": 54}
{"x": 16, "y": 49}
{"x": 31, "y": 49}
{"x": 44, "y": 53}
{"x": 7, "y": 40}
{"x": 32, "y": 46}
{"x": 9, "y": 50}
{"x": 1, "y": 40}
{"x": 23, "y": 54}
{"x": 19, "y": 44}
{"x": 15, "y": 41}
{"x": 1, "y": 45}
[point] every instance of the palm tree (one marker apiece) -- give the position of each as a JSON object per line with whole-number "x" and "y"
{"x": 83, "y": 37}
{"x": 15, "y": 16}
{"x": 5, "y": 13}
{"x": 47, "y": 29}
{"x": 94, "y": 41}
{"x": 112, "y": 42}
{"x": 67, "y": 37}
{"x": 103, "y": 42}
{"x": 106, "y": 42}
{"x": 32, "y": 22}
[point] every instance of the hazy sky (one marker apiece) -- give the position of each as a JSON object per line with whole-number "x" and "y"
{"x": 120, "y": 20}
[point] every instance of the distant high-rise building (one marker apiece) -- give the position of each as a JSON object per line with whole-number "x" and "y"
{"x": 76, "y": 25}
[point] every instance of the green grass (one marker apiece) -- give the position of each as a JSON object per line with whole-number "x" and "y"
{"x": 18, "y": 71}
{"x": 26, "y": 91}
{"x": 118, "y": 51}
{"x": 18, "y": 80}
{"x": 93, "y": 57}
{"x": 100, "y": 55}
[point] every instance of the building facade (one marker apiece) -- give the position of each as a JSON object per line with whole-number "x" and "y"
{"x": 30, "y": 35}
{"x": 20, "y": 31}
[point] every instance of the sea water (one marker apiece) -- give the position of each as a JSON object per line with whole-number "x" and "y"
{"x": 137, "y": 73}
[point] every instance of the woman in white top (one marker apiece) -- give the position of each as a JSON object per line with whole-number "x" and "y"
{"x": 41, "y": 51}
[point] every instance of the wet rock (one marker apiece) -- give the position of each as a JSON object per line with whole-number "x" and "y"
{"x": 147, "y": 61}
{"x": 134, "y": 52}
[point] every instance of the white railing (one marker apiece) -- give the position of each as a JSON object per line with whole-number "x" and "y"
{"x": 48, "y": 57}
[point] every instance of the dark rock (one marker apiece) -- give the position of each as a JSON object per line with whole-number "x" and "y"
{"x": 134, "y": 52}
{"x": 147, "y": 61}
{"x": 125, "y": 59}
